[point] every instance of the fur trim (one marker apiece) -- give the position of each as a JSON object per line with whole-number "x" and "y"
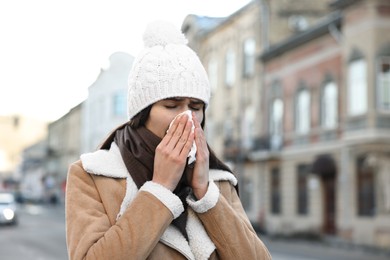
{"x": 209, "y": 200}
{"x": 131, "y": 191}
{"x": 200, "y": 243}
{"x": 220, "y": 175}
{"x": 173, "y": 238}
{"x": 170, "y": 200}
{"x": 108, "y": 163}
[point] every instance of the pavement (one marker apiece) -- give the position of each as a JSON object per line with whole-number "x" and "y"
{"x": 329, "y": 248}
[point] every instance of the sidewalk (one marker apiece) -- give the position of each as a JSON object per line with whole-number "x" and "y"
{"x": 327, "y": 249}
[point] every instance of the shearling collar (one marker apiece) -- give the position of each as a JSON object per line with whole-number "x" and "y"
{"x": 109, "y": 163}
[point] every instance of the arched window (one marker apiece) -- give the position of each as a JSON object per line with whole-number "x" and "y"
{"x": 249, "y": 57}
{"x": 329, "y": 102}
{"x": 302, "y": 111}
{"x": 230, "y": 72}
{"x": 276, "y": 117}
{"x": 248, "y": 127}
{"x": 212, "y": 71}
{"x": 357, "y": 85}
{"x": 383, "y": 84}
{"x": 383, "y": 78}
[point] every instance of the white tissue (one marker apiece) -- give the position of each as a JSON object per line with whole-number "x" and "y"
{"x": 192, "y": 152}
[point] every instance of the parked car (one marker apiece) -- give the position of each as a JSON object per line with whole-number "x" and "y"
{"x": 8, "y": 208}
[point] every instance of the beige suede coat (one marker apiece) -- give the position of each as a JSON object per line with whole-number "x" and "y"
{"x": 107, "y": 217}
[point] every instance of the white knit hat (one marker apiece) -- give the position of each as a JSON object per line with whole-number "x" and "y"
{"x": 165, "y": 68}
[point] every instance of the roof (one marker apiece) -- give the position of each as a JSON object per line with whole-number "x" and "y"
{"x": 340, "y": 4}
{"x": 207, "y": 24}
{"x": 296, "y": 40}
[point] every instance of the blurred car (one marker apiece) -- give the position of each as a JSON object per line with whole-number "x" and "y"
{"x": 8, "y": 208}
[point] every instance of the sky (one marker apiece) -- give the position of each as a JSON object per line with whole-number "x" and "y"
{"x": 51, "y": 51}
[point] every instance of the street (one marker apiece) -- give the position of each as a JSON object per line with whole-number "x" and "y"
{"x": 40, "y": 235}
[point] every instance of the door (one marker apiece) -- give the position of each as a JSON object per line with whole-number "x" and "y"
{"x": 329, "y": 225}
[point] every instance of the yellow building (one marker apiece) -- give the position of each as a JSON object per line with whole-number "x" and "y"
{"x": 17, "y": 133}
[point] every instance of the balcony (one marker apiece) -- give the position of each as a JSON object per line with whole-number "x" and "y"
{"x": 258, "y": 148}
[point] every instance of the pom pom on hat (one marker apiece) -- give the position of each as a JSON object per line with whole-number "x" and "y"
{"x": 165, "y": 68}
{"x": 162, "y": 33}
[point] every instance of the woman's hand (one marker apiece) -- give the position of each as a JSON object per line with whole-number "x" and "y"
{"x": 171, "y": 153}
{"x": 200, "y": 176}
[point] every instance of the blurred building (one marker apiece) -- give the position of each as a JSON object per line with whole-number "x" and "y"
{"x": 106, "y": 105}
{"x": 16, "y": 133}
{"x": 32, "y": 172}
{"x": 300, "y": 107}
{"x": 63, "y": 147}
{"x": 44, "y": 165}
{"x": 326, "y": 98}
{"x": 229, "y": 49}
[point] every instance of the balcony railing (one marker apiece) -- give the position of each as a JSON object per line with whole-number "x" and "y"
{"x": 236, "y": 149}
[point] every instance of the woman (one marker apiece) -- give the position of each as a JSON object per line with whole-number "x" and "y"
{"x": 138, "y": 196}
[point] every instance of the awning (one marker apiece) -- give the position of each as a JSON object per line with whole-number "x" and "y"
{"x": 324, "y": 165}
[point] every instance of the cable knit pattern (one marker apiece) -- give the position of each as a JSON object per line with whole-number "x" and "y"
{"x": 209, "y": 200}
{"x": 165, "y": 68}
{"x": 170, "y": 200}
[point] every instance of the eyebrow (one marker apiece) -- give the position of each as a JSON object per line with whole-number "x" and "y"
{"x": 178, "y": 99}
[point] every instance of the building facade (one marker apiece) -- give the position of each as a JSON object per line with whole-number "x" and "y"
{"x": 63, "y": 147}
{"x": 16, "y": 133}
{"x": 106, "y": 105}
{"x": 228, "y": 48}
{"x": 326, "y": 95}
{"x": 307, "y": 127}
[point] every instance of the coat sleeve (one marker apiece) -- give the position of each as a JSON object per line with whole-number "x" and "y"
{"x": 91, "y": 235}
{"x": 227, "y": 224}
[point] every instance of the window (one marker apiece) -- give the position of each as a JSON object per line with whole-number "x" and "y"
{"x": 357, "y": 87}
{"x": 16, "y": 121}
{"x": 329, "y": 106}
{"x": 249, "y": 57}
{"x": 276, "y": 117}
{"x": 213, "y": 74}
{"x": 302, "y": 114}
{"x": 3, "y": 160}
{"x": 365, "y": 188}
{"x": 246, "y": 192}
{"x": 230, "y": 76}
{"x": 119, "y": 104}
{"x": 275, "y": 191}
{"x": 302, "y": 196}
{"x": 276, "y": 123}
{"x": 228, "y": 129}
{"x": 383, "y": 83}
{"x": 248, "y": 127}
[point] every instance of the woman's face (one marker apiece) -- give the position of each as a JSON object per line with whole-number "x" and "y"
{"x": 164, "y": 111}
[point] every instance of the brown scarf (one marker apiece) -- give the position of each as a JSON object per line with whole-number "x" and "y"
{"x": 137, "y": 147}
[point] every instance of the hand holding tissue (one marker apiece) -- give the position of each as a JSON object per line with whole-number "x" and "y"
{"x": 191, "y": 155}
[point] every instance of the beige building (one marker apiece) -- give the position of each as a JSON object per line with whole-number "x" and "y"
{"x": 326, "y": 96}
{"x": 229, "y": 49}
{"x": 17, "y": 133}
{"x": 63, "y": 144}
{"x": 307, "y": 127}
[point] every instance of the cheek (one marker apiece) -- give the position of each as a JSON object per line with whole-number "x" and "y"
{"x": 158, "y": 123}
